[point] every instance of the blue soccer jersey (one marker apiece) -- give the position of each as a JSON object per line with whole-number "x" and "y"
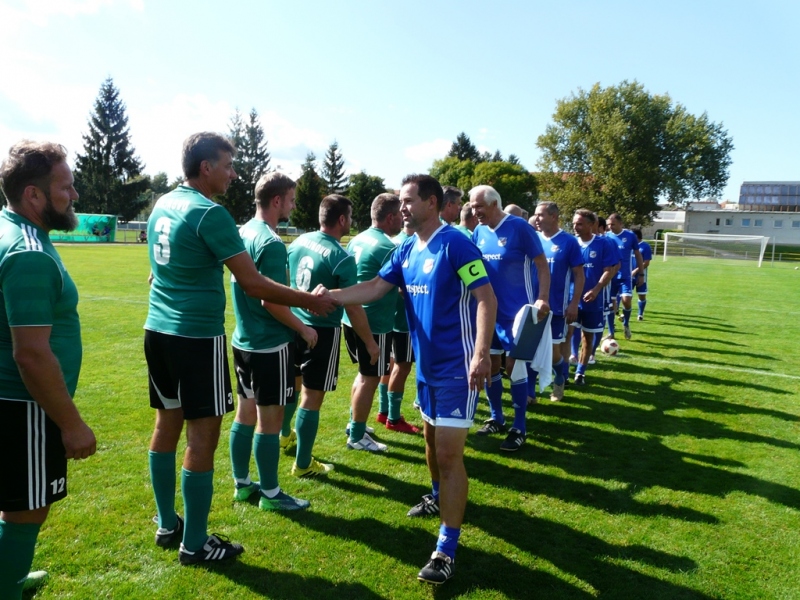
{"x": 563, "y": 253}
{"x": 647, "y": 254}
{"x": 436, "y": 279}
{"x": 508, "y": 251}
{"x": 597, "y": 256}
{"x": 626, "y": 241}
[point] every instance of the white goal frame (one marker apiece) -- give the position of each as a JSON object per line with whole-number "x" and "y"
{"x": 761, "y": 240}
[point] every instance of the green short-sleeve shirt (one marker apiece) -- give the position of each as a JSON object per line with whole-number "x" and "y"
{"x": 318, "y": 258}
{"x": 188, "y": 238}
{"x": 256, "y": 329}
{"x": 36, "y": 290}
{"x": 371, "y": 249}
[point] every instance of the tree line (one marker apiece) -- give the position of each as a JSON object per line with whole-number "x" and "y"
{"x": 615, "y": 149}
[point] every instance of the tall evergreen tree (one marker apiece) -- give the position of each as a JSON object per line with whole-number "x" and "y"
{"x": 250, "y": 163}
{"x": 108, "y": 174}
{"x": 464, "y": 149}
{"x": 308, "y": 197}
{"x": 362, "y": 191}
{"x": 333, "y": 175}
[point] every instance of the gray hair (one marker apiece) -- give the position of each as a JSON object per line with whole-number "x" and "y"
{"x": 490, "y": 195}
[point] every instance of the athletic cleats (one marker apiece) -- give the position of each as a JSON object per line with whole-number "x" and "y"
{"x": 580, "y": 379}
{"x": 287, "y": 441}
{"x": 382, "y": 418}
{"x": 243, "y": 492}
{"x": 558, "y": 393}
{"x": 438, "y": 570}
{"x": 573, "y": 360}
{"x": 314, "y": 469}
{"x": 168, "y": 537}
{"x": 640, "y": 318}
{"x": 34, "y": 580}
{"x": 368, "y": 444}
{"x": 627, "y": 330}
{"x": 282, "y": 502}
{"x": 370, "y": 430}
{"x": 592, "y": 360}
{"x": 402, "y": 426}
{"x": 216, "y": 548}
{"x": 427, "y": 508}
{"x": 514, "y": 441}
{"x": 491, "y": 426}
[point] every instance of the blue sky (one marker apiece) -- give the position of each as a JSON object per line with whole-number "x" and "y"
{"x": 395, "y": 82}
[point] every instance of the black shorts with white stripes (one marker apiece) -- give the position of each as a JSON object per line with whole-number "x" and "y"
{"x": 402, "y": 350}
{"x": 266, "y": 376}
{"x": 188, "y": 373}
{"x": 319, "y": 365}
{"x": 357, "y": 350}
{"x": 33, "y": 473}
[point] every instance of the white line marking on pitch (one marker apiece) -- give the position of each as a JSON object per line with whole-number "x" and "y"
{"x": 715, "y": 367}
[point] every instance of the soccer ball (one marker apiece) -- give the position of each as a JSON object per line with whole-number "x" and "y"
{"x": 609, "y": 346}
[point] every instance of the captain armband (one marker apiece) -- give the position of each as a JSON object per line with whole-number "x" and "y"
{"x": 472, "y": 271}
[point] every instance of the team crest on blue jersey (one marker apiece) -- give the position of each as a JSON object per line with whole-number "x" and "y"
{"x": 502, "y": 241}
{"x": 554, "y": 248}
{"x": 592, "y": 254}
{"x": 427, "y": 266}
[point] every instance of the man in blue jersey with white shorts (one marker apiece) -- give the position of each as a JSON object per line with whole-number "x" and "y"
{"x": 599, "y": 261}
{"x": 566, "y": 270}
{"x": 519, "y": 272}
{"x": 451, "y": 308}
{"x": 641, "y": 287}
{"x": 622, "y": 284}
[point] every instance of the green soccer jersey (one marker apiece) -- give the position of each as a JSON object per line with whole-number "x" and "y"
{"x": 256, "y": 329}
{"x": 464, "y": 230}
{"x": 372, "y": 248}
{"x": 189, "y": 237}
{"x": 36, "y": 291}
{"x": 400, "y": 320}
{"x": 318, "y": 258}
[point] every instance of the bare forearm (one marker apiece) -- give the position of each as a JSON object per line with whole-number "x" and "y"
{"x": 43, "y": 379}
{"x": 543, "y": 274}
{"x": 363, "y": 293}
{"x": 283, "y": 314}
{"x": 358, "y": 319}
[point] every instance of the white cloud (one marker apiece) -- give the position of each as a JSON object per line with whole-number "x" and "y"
{"x": 428, "y": 151}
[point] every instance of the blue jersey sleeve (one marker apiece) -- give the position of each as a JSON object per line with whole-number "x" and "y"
{"x": 392, "y": 269}
{"x": 461, "y": 253}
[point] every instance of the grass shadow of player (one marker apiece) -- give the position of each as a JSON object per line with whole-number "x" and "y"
{"x": 706, "y": 350}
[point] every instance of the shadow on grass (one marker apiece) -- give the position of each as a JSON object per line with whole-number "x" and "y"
{"x": 287, "y": 586}
{"x": 586, "y": 557}
{"x": 705, "y": 350}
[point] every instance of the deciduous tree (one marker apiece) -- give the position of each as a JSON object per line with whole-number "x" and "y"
{"x": 621, "y": 149}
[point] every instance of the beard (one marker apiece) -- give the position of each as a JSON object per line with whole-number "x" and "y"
{"x": 52, "y": 219}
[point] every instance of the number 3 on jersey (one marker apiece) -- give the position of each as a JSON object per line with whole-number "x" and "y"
{"x": 161, "y": 247}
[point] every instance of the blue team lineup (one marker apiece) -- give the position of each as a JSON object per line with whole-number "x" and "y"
{"x": 436, "y": 285}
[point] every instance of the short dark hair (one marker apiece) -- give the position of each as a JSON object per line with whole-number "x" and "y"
{"x": 205, "y": 145}
{"x": 384, "y": 205}
{"x": 29, "y": 163}
{"x": 271, "y": 185}
{"x": 615, "y": 216}
{"x": 586, "y": 214}
{"x": 332, "y": 207}
{"x": 638, "y": 232}
{"x": 451, "y": 194}
{"x": 427, "y": 186}
{"x": 550, "y": 207}
{"x": 601, "y": 222}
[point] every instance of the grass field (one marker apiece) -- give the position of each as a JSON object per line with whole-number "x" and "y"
{"x": 673, "y": 474}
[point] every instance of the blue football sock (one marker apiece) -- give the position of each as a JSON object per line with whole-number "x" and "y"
{"x": 580, "y": 369}
{"x": 559, "y": 372}
{"x": 610, "y": 319}
{"x": 519, "y": 400}
{"x": 597, "y": 338}
{"x": 448, "y": 540}
{"x": 435, "y": 489}
{"x": 494, "y": 393}
{"x": 565, "y": 369}
{"x": 642, "y": 304}
{"x": 575, "y": 342}
{"x": 626, "y": 316}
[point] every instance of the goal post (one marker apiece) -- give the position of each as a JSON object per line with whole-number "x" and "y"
{"x": 715, "y": 245}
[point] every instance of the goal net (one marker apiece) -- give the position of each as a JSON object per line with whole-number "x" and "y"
{"x": 711, "y": 245}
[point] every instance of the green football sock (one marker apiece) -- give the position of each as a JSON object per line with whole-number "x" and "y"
{"x": 267, "y": 450}
{"x": 163, "y": 479}
{"x": 198, "y": 488}
{"x": 383, "y": 398}
{"x": 241, "y": 444}
{"x": 17, "y": 543}
{"x": 357, "y": 431}
{"x": 395, "y": 400}
{"x": 288, "y": 413}
{"x": 306, "y": 426}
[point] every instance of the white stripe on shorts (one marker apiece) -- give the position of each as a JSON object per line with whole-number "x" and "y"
{"x": 37, "y": 474}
